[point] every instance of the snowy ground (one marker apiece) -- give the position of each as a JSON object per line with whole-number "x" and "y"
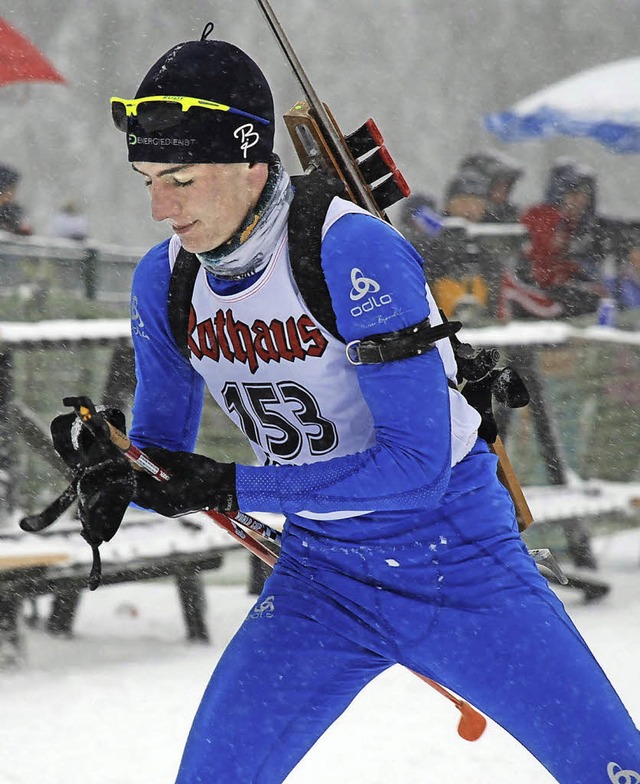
{"x": 113, "y": 705}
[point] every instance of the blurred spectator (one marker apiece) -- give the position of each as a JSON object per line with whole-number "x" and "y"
{"x": 457, "y": 266}
{"x": 11, "y": 213}
{"x": 567, "y": 243}
{"x": 70, "y": 223}
{"x": 467, "y": 196}
{"x": 561, "y": 168}
{"x": 502, "y": 174}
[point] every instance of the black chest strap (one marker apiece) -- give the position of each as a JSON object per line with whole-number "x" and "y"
{"x": 313, "y": 194}
{"x": 183, "y": 279}
{"x": 403, "y": 343}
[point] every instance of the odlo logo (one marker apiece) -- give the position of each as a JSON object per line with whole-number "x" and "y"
{"x": 619, "y": 776}
{"x": 265, "y": 609}
{"x": 137, "y": 324}
{"x": 361, "y": 286}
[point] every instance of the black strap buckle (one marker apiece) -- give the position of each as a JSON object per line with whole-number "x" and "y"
{"x": 402, "y": 344}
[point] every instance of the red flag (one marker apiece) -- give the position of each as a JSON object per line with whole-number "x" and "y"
{"x": 21, "y": 61}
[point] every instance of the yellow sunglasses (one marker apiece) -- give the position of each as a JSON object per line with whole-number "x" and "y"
{"x": 157, "y": 112}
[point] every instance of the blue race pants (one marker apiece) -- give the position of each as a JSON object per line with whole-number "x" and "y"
{"x": 455, "y": 597}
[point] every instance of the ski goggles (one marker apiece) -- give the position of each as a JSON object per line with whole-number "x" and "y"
{"x": 157, "y": 112}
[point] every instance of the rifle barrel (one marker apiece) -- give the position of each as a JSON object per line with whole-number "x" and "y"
{"x": 327, "y": 127}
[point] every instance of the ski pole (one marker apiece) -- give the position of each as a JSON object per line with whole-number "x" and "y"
{"x": 88, "y": 415}
{"x": 242, "y": 527}
{"x": 472, "y": 723}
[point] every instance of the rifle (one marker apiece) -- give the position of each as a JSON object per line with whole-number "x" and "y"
{"x": 372, "y": 181}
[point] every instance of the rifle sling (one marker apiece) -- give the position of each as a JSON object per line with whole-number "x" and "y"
{"x": 403, "y": 343}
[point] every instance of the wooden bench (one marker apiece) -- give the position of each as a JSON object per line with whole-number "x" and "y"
{"x": 15, "y": 567}
{"x": 57, "y": 561}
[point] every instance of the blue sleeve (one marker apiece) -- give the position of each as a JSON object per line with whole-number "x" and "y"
{"x": 408, "y": 466}
{"x": 167, "y": 405}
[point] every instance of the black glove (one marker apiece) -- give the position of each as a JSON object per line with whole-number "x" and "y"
{"x": 197, "y": 483}
{"x": 72, "y": 439}
{"x": 103, "y": 475}
{"x": 105, "y": 490}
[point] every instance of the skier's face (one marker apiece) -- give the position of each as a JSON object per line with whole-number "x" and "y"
{"x": 204, "y": 203}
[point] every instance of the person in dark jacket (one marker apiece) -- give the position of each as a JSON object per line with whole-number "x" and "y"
{"x": 567, "y": 242}
{"x": 502, "y": 175}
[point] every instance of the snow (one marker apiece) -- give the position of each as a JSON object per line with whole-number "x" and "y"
{"x": 67, "y": 330}
{"x": 113, "y": 704}
{"x": 607, "y": 93}
{"x": 194, "y": 533}
{"x": 581, "y": 499}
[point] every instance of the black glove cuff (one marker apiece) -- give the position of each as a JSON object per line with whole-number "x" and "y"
{"x": 196, "y": 483}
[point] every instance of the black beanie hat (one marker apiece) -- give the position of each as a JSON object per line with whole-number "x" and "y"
{"x": 468, "y": 183}
{"x": 213, "y": 71}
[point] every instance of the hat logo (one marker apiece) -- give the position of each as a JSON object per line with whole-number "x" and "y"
{"x": 248, "y": 137}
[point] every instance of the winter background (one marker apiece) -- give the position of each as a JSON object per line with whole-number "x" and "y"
{"x": 113, "y": 705}
{"x": 425, "y": 70}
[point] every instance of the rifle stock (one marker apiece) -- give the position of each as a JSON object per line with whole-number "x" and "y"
{"x": 310, "y": 144}
{"x": 509, "y": 479}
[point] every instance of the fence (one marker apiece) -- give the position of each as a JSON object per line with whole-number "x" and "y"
{"x": 44, "y": 361}
{"x": 32, "y": 267}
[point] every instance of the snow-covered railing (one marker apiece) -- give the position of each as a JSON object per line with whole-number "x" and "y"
{"x": 514, "y": 333}
{"x": 582, "y": 499}
{"x": 544, "y": 333}
{"x": 26, "y": 335}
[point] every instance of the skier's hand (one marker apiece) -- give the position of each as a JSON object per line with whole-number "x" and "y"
{"x": 75, "y": 443}
{"x": 103, "y": 475}
{"x": 105, "y": 490}
{"x": 196, "y": 483}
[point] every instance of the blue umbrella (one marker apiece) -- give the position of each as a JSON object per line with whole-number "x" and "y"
{"x": 602, "y": 103}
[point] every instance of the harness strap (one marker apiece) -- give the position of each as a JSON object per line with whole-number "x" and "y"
{"x": 401, "y": 344}
{"x": 313, "y": 194}
{"x": 183, "y": 278}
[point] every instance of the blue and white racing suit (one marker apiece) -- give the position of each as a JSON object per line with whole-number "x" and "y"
{"x": 400, "y": 545}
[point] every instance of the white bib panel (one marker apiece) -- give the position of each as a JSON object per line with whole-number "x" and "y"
{"x": 283, "y": 379}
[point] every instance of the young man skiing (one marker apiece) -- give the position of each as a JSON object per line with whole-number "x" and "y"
{"x": 400, "y": 545}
